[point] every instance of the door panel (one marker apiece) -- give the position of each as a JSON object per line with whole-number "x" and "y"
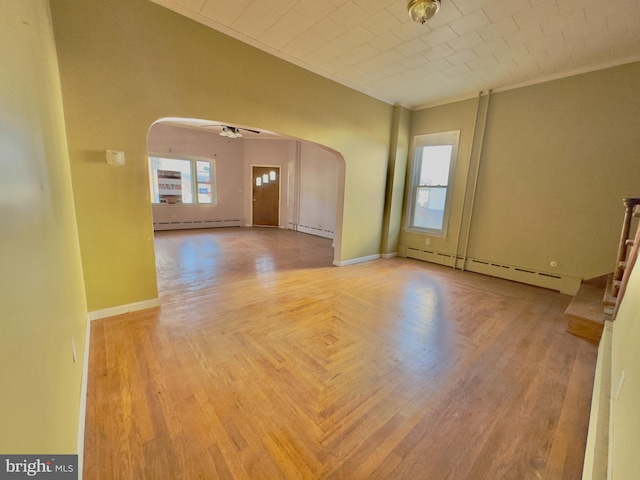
{"x": 266, "y": 196}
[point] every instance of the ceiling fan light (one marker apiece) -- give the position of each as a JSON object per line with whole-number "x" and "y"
{"x": 422, "y": 10}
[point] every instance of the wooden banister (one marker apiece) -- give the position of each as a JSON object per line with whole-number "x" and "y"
{"x": 625, "y": 244}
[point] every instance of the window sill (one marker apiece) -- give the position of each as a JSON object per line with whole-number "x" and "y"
{"x": 423, "y": 231}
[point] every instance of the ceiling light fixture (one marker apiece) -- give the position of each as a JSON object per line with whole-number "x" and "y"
{"x": 231, "y": 132}
{"x": 422, "y": 10}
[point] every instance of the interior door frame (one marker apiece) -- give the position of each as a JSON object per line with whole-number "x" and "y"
{"x": 278, "y": 168}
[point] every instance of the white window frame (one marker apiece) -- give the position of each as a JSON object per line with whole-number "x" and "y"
{"x": 432, "y": 139}
{"x": 194, "y": 179}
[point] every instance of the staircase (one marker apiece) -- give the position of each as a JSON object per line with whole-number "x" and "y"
{"x": 586, "y": 312}
{"x": 598, "y": 299}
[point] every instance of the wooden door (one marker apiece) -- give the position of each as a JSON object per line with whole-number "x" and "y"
{"x": 266, "y": 196}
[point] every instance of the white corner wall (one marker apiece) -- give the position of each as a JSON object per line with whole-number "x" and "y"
{"x": 319, "y": 191}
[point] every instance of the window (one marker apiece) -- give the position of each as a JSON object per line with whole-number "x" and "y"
{"x": 432, "y": 178}
{"x": 181, "y": 181}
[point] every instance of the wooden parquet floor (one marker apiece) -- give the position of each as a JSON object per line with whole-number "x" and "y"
{"x": 267, "y": 362}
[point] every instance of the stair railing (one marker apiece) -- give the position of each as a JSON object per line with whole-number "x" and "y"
{"x": 626, "y": 242}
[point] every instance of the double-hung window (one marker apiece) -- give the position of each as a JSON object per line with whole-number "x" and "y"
{"x": 433, "y": 170}
{"x": 182, "y": 181}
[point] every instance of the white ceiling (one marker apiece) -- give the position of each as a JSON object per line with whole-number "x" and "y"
{"x": 469, "y": 46}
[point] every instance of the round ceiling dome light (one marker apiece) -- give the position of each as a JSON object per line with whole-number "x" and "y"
{"x": 422, "y": 10}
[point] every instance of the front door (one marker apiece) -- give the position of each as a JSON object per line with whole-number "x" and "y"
{"x": 266, "y": 196}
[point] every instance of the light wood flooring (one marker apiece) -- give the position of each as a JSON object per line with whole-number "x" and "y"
{"x": 265, "y": 361}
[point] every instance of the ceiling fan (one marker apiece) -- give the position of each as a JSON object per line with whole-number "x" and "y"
{"x": 231, "y": 132}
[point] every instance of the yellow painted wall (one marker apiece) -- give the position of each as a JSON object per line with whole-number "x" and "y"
{"x": 558, "y": 158}
{"x": 126, "y": 63}
{"x": 396, "y": 177}
{"x": 455, "y": 116}
{"x": 625, "y": 419}
{"x": 42, "y": 299}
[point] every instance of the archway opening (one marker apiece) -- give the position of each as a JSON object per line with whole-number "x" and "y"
{"x": 201, "y": 177}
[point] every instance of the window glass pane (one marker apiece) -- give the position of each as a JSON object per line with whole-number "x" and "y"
{"x": 204, "y": 182}
{"x": 429, "y": 207}
{"x": 178, "y": 181}
{"x": 171, "y": 180}
{"x": 434, "y": 166}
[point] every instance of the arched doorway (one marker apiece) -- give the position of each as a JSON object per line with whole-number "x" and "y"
{"x": 311, "y": 177}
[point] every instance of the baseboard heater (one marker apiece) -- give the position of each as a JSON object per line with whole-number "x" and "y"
{"x": 191, "y": 224}
{"x": 318, "y": 231}
{"x": 561, "y": 283}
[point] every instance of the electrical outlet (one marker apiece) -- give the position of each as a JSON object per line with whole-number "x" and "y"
{"x": 73, "y": 349}
{"x": 427, "y": 241}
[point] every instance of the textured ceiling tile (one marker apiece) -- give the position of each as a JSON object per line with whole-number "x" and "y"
{"x": 381, "y": 22}
{"x": 363, "y": 52}
{"x": 410, "y": 30}
{"x": 386, "y": 41}
{"x": 489, "y": 48}
{"x": 521, "y": 36}
{"x": 327, "y": 29}
{"x": 437, "y": 65}
{"x": 625, "y": 21}
{"x": 544, "y": 43}
{"x": 294, "y": 22}
{"x": 482, "y": 62}
{"x": 224, "y": 11}
{"x": 373, "y": 6}
{"x": 356, "y": 36}
{"x": 193, "y": 5}
{"x": 349, "y": 15}
{"x": 573, "y": 20}
{"x": 498, "y": 29}
{"x": 325, "y": 54}
{"x": 479, "y": 43}
{"x": 303, "y": 45}
{"x": 277, "y": 37}
{"x": 468, "y": 6}
{"x": 389, "y": 57}
{"x": 279, "y": 6}
{"x": 499, "y": 9}
{"x": 314, "y": 9}
{"x": 470, "y": 22}
{"x": 438, "y": 52}
{"x": 512, "y": 53}
{"x": 341, "y": 63}
{"x": 462, "y": 57}
{"x": 412, "y": 47}
{"x": 456, "y": 70}
{"x": 369, "y": 66}
{"x": 254, "y": 21}
{"x": 439, "y": 36}
{"x": 535, "y": 16}
{"x": 468, "y": 40}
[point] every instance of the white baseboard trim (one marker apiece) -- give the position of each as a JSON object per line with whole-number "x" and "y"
{"x": 82, "y": 415}
{"x": 122, "y": 309}
{"x": 389, "y": 255}
{"x": 353, "y": 261}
